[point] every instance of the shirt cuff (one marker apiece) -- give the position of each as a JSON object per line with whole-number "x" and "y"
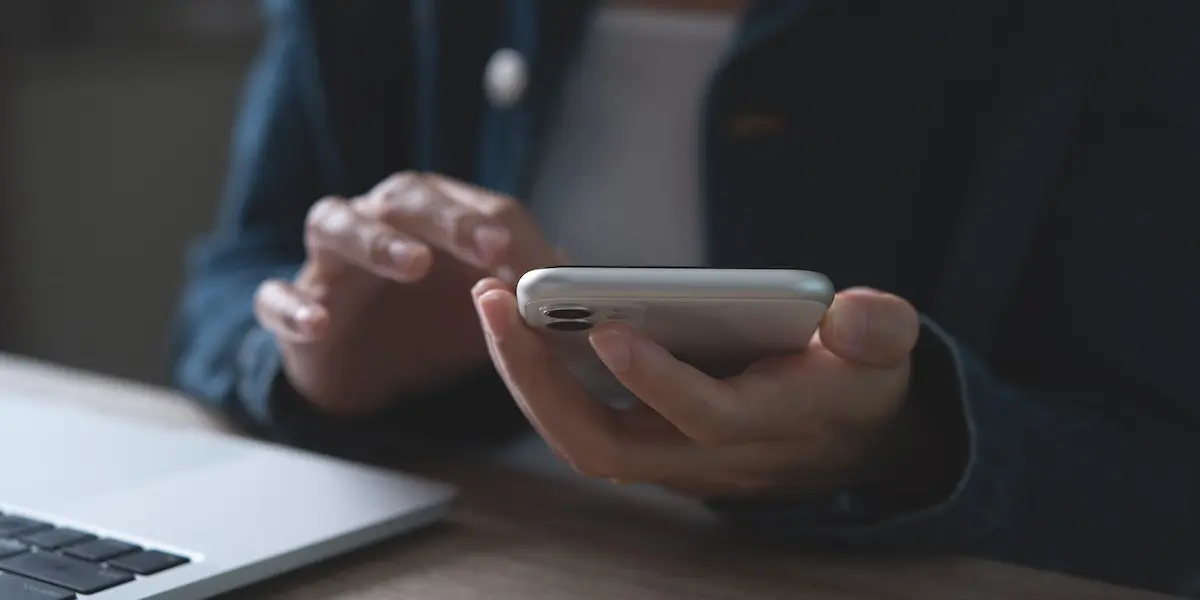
{"x": 462, "y": 416}
{"x": 260, "y": 366}
{"x": 279, "y": 412}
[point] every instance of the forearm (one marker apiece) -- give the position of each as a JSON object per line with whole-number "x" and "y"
{"x": 1042, "y": 484}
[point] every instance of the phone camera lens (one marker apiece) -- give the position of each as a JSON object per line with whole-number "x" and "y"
{"x": 572, "y": 313}
{"x": 569, "y": 325}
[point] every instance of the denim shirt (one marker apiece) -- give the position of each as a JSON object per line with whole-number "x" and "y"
{"x": 1025, "y": 172}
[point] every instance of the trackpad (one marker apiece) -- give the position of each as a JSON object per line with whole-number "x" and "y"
{"x": 55, "y": 457}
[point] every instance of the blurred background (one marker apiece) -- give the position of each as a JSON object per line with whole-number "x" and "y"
{"x": 115, "y": 119}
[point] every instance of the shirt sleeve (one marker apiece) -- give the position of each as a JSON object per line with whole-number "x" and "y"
{"x": 1043, "y": 484}
{"x": 1079, "y": 424}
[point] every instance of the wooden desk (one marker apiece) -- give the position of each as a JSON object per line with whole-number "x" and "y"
{"x": 521, "y": 536}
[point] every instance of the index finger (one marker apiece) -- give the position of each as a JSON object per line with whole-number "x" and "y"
{"x": 595, "y": 439}
{"x": 528, "y": 248}
{"x": 489, "y": 231}
{"x": 771, "y": 400}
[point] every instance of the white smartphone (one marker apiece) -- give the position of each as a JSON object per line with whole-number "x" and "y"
{"x": 718, "y": 320}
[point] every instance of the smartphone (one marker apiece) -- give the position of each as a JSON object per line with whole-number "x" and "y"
{"x": 717, "y": 320}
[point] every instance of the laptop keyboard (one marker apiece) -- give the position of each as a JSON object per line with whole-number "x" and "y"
{"x": 39, "y": 561}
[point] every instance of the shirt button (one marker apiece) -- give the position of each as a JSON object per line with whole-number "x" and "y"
{"x": 505, "y": 78}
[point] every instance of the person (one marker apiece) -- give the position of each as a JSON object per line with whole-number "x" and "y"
{"x": 1004, "y": 192}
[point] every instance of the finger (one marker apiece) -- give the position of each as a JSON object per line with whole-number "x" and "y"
{"x": 643, "y": 423}
{"x": 705, "y": 409}
{"x": 335, "y": 228}
{"x": 481, "y": 228}
{"x": 639, "y": 422}
{"x": 409, "y": 202}
{"x": 527, "y": 249}
{"x": 289, "y": 314}
{"x": 595, "y": 439}
{"x": 870, "y": 327}
{"x": 488, "y": 284}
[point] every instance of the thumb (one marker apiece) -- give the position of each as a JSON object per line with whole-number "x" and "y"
{"x": 870, "y": 327}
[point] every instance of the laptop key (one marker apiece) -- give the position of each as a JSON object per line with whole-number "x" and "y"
{"x": 147, "y": 562}
{"x": 76, "y": 575}
{"x": 11, "y": 548}
{"x": 100, "y": 550}
{"x": 11, "y": 525}
{"x": 15, "y": 587}
{"x": 53, "y": 539}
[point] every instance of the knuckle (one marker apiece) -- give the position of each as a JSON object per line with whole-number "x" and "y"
{"x": 398, "y": 188}
{"x": 374, "y": 245}
{"x": 458, "y": 226}
{"x": 369, "y": 207}
{"x": 323, "y": 216}
{"x": 399, "y": 182}
{"x": 401, "y": 196}
{"x": 503, "y": 209}
{"x": 264, "y": 299}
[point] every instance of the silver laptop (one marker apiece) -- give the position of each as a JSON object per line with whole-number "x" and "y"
{"x": 105, "y": 509}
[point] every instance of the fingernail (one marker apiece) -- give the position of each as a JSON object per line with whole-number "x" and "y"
{"x": 305, "y": 314}
{"x": 484, "y": 286}
{"x": 851, "y": 327}
{"x": 402, "y": 255}
{"x": 305, "y": 318}
{"x": 612, "y": 347}
{"x": 493, "y": 313}
{"x": 480, "y": 287}
{"x": 506, "y": 274}
{"x": 490, "y": 242}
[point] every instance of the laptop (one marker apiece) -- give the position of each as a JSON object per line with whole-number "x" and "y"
{"x": 105, "y": 509}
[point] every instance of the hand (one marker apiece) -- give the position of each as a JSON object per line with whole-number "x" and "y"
{"x": 381, "y": 306}
{"x": 826, "y": 419}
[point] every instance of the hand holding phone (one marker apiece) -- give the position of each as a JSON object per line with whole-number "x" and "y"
{"x": 830, "y": 415}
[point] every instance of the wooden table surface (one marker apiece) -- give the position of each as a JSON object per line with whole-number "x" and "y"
{"x": 519, "y": 535}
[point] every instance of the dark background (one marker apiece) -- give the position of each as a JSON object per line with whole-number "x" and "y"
{"x": 114, "y": 127}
